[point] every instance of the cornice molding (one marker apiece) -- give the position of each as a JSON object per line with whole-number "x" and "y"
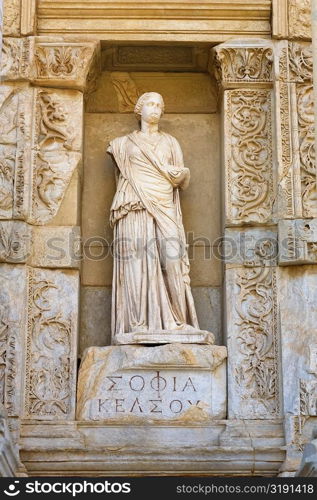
{"x": 180, "y": 18}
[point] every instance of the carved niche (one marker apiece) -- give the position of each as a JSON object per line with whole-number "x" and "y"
{"x": 248, "y": 156}
{"x": 51, "y": 344}
{"x": 253, "y": 370}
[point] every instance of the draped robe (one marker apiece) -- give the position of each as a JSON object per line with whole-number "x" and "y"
{"x": 151, "y": 287}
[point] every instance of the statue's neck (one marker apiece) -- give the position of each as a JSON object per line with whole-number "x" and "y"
{"x": 149, "y": 128}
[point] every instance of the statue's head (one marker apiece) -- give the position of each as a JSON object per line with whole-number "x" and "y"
{"x": 149, "y": 107}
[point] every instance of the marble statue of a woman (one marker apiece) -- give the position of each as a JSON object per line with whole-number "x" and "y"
{"x": 152, "y": 301}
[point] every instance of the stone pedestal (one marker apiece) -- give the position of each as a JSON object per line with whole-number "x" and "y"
{"x": 162, "y": 384}
{"x": 166, "y": 337}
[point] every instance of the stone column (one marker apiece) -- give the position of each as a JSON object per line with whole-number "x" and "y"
{"x": 245, "y": 77}
{"x": 41, "y": 117}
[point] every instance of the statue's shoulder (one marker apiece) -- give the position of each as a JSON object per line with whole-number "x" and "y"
{"x": 172, "y": 140}
{"x": 117, "y": 144}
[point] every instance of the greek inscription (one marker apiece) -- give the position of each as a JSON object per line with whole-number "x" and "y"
{"x": 101, "y": 403}
{"x": 136, "y": 404}
{"x": 192, "y": 404}
{"x": 155, "y": 406}
{"x": 189, "y": 384}
{"x": 137, "y": 384}
{"x": 114, "y": 382}
{"x": 119, "y": 408}
{"x": 174, "y": 384}
{"x": 158, "y": 383}
{"x": 176, "y": 406}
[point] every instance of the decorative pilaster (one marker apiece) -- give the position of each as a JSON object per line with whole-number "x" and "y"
{"x": 244, "y": 71}
{"x": 41, "y": 119}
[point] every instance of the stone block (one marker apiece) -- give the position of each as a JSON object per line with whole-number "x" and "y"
{"x": 15, "y": 241}
{"x": 249, "y": 180}
{"x": 63, "y": 63}
{"x": 250, "y": 247}
{"x": 95, "y": 314}
{"x": 208, "y": 304}
{"x": 297, "y": 241}
{"x": 253, "y": 343}
{"x": 173, "y": 383}
{"x": 51, "y": 344}
{"x": 55, "y": 247}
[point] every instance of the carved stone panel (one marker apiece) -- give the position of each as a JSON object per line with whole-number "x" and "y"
{"x": 173, "y": 383}
{"x": 297, "y": 298}
{"x": 299, "y": 18}
{"x": 57, "y": 144}
{"x": 240, "y": 64}
{"x": 253, "y": 247}
{"x": 16, "y": 59}
{"x": 15, "y": 241}
{"x": 15, "y": 123}
{"x": 55, "y": 246}
{"x": 12, "y": 325}
{"x": 249, "y": 184}
{"x": 252, "y": 339}
{"x": 307, "y": 155}
{"x": 11, "y": 17}
{"x": 297, "y": 241}
{"x": 51, "y": 344}
{"x": 63, "y": 64}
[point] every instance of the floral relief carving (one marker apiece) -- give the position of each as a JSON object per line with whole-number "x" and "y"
{"x": 15, "y": 239}
{"x": 4, "y": 333}
{"x": 256, "y": 374}
{"x": 300, "y": 62}
{"x": 55, "y": 156}
{"x": 126, "y": 90}
{"x": 49, "y": 370}
{"x": 66, "y": 62}
{"x": 249, "y": 153}
{"x": 238, "y": 64}
{"x": 286, "y": 181}
{"x": 306, "y": 130}
{"x": 12, "y": 147}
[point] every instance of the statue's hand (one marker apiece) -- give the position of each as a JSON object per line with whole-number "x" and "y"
{"x": 180, "y": 177}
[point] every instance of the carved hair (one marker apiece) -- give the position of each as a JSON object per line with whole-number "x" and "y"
{"x": 143, "y": 98}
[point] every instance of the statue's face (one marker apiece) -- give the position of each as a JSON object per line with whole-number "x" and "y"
{"x": 152, "y": 109}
